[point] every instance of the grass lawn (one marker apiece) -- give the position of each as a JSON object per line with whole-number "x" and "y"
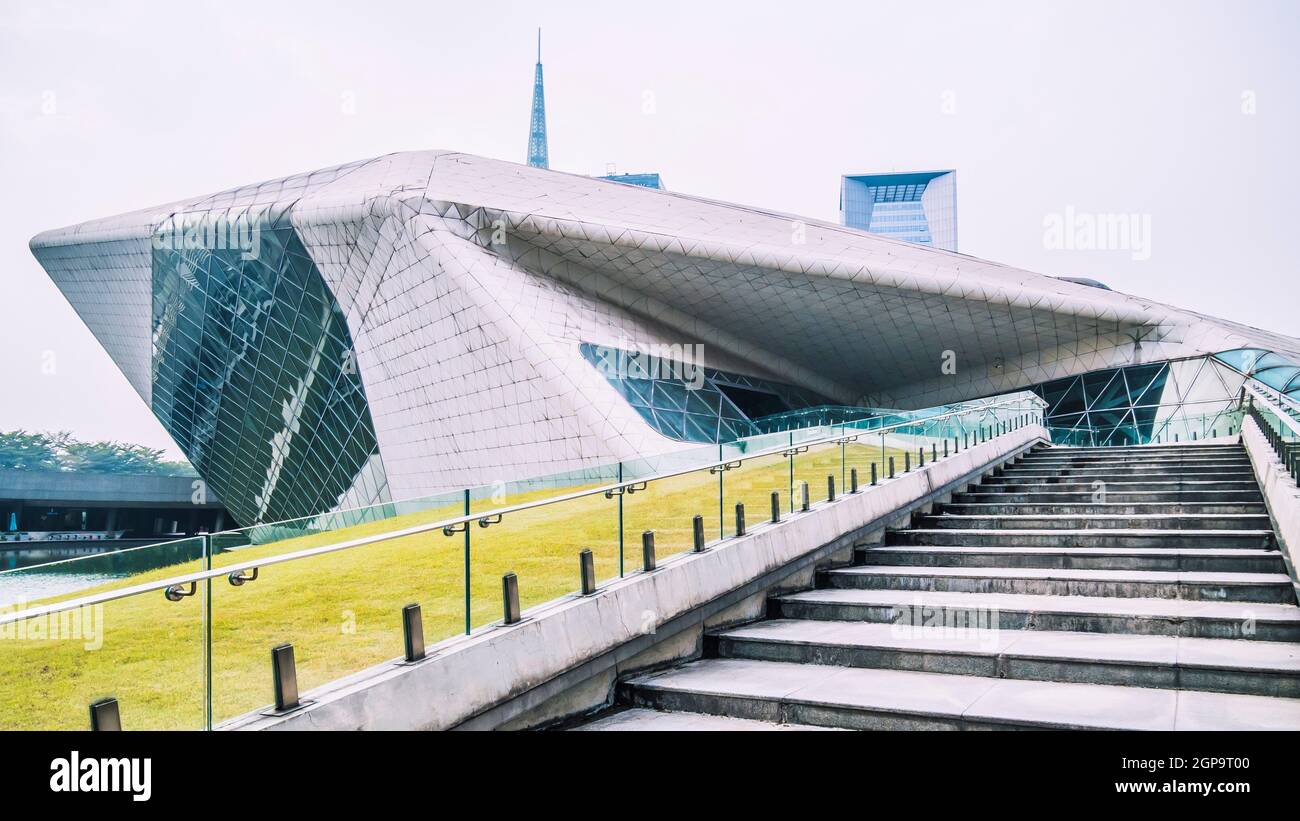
{"x": 341, "y": 611}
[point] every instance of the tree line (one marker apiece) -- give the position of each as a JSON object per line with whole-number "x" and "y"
{"x": 20, "y": 450}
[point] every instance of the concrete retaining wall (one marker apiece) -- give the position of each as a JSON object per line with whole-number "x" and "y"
{"x": 564, "y": 657}
{"x": 1280, "y": 494}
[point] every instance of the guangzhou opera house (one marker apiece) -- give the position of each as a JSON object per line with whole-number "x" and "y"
{"x": 425, "y": 321}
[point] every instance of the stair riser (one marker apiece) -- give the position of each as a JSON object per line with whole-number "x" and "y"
{"x": 775, "y": 711}
{"x": 1200, "y": 627}
{"x": 997, "y": 485}
{"x": 989, "y": 496}
{"x": 1258, "y": 593}
{"x": 1165, "y": 474}
{"x": 1097, "y": 464}
{"x": 1113, "y": 509}
{"x": 1081, "y": 477}
{"x": 1047, "y": 459}
{"x": 1162, "y": 449}
{"x": 989, "y": 665}
{"x": 1092, "y": 523}
{"x": 1187, "y": 564}
{"x": 998, "y": 538}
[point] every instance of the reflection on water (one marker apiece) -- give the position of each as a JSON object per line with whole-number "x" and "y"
{"x": 31, "y": 573}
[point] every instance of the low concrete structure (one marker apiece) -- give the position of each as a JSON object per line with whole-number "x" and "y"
{"x": 62, "y": 504}
{"x": 564, "y": 658}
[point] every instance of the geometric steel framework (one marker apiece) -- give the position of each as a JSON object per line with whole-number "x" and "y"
{"x": 1140, "y": 403}
{"x": 253, "y": 376}
{"x": 691, "y": 403}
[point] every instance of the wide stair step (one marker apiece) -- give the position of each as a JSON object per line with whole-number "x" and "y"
{"x": 1084, "y": 537}
{"x": 1088, "y": 614}
{"x": 1272, "y": 588}
{"x": 1099, "y": 521}
{"x": 1238, "y": 560}
{"x": 856, "y": 698}
{"x": 1082, "y": 508}
{"x": 1180, "y": 663}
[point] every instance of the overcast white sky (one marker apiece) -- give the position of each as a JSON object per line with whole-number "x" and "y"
{"x": 1105, "y": 107}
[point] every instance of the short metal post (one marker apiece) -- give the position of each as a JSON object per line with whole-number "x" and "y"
{"x": 853, "y": 480}
{"x": 891, "y": 467}
{"x": 776, "y": 506}
{"x": 934, "y": 452}
{"x": 285, "y": 676}
{"x": 587, "y": 571}
{"x": 803, "y": 489}
{"x": 956, "y": 445}
{"x": 413, "y": 632}
{"x": 907, "y": 461}
{"x": 945, "y": 447}
{"x": 966, "y": 439}
{"x": 740, "y": 519}
{"x": 104, "y": 715}
{"x": 648, "y": 550}
{"x": 697, "y": 529}
{"x": 830, "y": 488}
{"x": 920, "y": 457}
{"x": 510, "y": 598}
{"x": 873, "y": 473}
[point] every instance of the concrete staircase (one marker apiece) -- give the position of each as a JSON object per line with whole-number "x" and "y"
{"x": 1127, "y": 588}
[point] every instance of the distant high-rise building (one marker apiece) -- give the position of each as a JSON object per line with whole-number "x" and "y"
{"x": 537, "y": 153}
{"x": 916, "y": 206}
{"x": 643, "y": 180}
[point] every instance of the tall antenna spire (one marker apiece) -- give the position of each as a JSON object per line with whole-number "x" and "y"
{"x": 537, "y": 153}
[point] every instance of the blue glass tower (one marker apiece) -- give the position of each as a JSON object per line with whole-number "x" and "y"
{"x": 916, "y": 207}
{"x": 537, "y": 155}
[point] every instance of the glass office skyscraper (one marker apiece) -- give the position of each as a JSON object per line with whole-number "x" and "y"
{"x": 916, "y": 207}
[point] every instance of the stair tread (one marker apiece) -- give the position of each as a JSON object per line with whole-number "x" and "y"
{"x": 976, "y": 698}
{"x": 643, "y": 719}
{"x": 1088, "y": 531}
{"x": 1223, "y": 654}
{"x": 1074, "y": 605}
{"x": 1105, "y": 517}
{"x": 1070, "y": 550}
{"x": 1190, "y": 577}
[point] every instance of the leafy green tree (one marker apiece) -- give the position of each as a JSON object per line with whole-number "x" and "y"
{"x": 111, "y": 457}
{"x": 20, "y": 450}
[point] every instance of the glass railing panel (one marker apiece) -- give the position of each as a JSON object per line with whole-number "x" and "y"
{"x": 143, "y": 650}
{"x": 862, "y": 454}
{"x": 812, "y": 467}
{"x": 340, "y": 610}
{"x": 49, "y": 572}
{"x": 667, "y": 507}
{"x": 541, "y": 546}
{"x": 752, "y": 484}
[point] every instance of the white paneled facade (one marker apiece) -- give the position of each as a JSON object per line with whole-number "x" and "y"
{"x": 466, "y": 288}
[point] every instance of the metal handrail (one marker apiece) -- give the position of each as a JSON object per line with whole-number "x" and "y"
{"x": 1253, "y": 387}
{"x": 238, "y": 567}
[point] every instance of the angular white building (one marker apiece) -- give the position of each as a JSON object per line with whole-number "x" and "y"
{"x": 432, "y": 320}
